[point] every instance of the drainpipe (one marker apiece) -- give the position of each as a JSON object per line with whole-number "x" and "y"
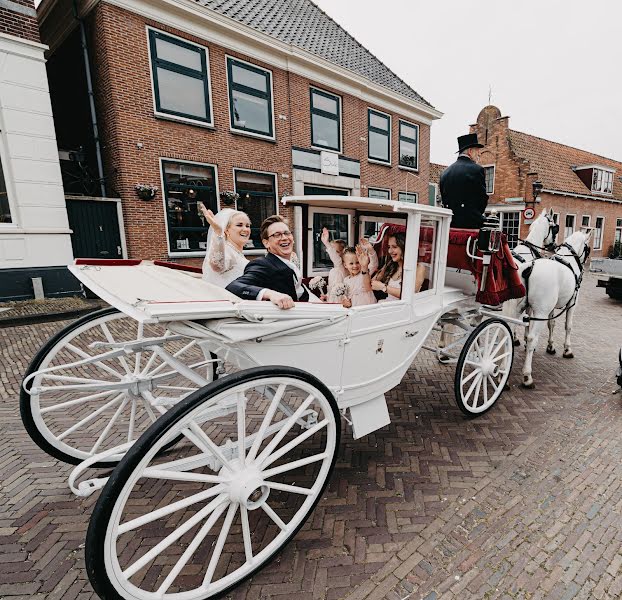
{"x": 89, "y": 85}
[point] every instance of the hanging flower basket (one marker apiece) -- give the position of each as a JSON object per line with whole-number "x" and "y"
{"x": 145, "y": 191}
{"x": 228, "y": 199}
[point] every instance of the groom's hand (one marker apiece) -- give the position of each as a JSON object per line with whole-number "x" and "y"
{"x": 281, "y": 300}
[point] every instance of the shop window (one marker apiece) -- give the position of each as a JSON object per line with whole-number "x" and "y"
{"x": 250, "y": 98}
{"x": 325, "y": 120}
{"x": 186, "y": 185}
{"x": 409, "y": 145}
{"x": 257, "y": 199}
{"x": 378, "y": 136}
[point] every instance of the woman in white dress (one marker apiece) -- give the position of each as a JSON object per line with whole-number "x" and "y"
{"x": 229, "y": 232}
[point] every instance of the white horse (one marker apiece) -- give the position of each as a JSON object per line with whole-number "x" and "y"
{"x": 541, "y": 236}
{"x": 552, "y": 289}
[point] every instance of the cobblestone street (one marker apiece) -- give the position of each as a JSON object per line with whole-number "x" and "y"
{"x": 524, "y": 502}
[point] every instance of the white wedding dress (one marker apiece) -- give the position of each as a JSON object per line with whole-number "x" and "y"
{"x": 223, "y": 261}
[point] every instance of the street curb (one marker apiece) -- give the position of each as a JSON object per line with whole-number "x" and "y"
{"x": 46, "y": 317}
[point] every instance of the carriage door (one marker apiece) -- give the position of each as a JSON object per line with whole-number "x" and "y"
{"x": 339, "y": 223}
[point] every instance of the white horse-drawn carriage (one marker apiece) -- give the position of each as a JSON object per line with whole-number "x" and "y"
{"x": 222, "y": 417}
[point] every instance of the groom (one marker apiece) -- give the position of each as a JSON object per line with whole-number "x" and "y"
{"x": 274, "y": 277}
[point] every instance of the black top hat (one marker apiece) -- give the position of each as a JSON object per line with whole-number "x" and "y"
{"x": 468, "y": 141}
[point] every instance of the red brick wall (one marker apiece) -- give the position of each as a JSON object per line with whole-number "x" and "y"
{"x": 125, "y": 108}
{"x": 18, "y": 24}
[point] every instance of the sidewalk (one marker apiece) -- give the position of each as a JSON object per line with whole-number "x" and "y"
{"x": 25, "y": 312}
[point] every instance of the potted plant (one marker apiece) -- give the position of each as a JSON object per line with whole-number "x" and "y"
{"x": 228, "y": 199}
{"x": 145, "y": 191}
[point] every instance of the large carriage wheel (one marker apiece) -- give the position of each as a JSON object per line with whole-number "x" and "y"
{"x": 87, "y": 409}
{"x": 483, "y": 367}
{"x": 258, "y": 449}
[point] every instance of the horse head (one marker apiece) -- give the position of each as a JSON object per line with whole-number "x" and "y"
{"x": 579, "y": 244}
{"x": 543, "y": 231}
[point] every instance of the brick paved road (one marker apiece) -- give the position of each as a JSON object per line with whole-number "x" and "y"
{"x": 525, "y": 502}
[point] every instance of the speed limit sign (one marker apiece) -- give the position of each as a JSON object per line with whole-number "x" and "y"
{"x": 529, "y": 213}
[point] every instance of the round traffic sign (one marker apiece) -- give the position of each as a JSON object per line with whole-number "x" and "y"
{"x": 529, "y": 213}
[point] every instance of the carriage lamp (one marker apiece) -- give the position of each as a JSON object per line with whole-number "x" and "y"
{"x": 537, "y": 189}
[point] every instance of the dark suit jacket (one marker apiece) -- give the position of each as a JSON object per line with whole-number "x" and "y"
{"x": 268, "y": 272}
{"x": 463, "y": 189}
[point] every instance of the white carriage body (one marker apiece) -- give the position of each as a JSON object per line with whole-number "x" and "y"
{"x": 359, "y": 353}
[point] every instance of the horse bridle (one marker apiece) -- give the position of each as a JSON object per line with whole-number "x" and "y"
{"x": 553, "y": 231}
{"x": 534, "y": 249}
{"x": 580, "y": 260}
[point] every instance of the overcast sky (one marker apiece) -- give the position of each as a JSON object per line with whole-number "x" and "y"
{"x": 551, "y": 63}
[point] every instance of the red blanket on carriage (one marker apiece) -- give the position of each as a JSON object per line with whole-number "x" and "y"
{"x": 502, "y": 282}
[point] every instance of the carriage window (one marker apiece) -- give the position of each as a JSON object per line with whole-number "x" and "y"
{"x": 257, "y": 199}
{"x": 426, "y": 258}
{"x": 337, "y": 225}
{"x": 185, "y": 186}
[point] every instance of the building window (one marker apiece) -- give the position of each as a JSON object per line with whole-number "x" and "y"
{"x": 598, "y": 233}
{"x": 185, "y": 186}
{"x": 556, "y": 221}
{"x": 489, "y": 173}
{"x": 180, "y": 77}
{"x": 602, "y": 181}
{"x": 250, "y": 98}
{"x": 617, "y": 240}
{"x": 407, "y": 197}
{"x": 569, "y": 230}
{"x": 433, "y": 193}
{"x": 257, "y": 199}
{"x": 585, "y": 221}
{"x": 5, "y": 207}
{"x": 510, "y": 224}
{"x": 325, "y": 120}
{"x": 409, "y": 145}
{"x": 379, "y": 193}
{"x": 378, "y": 136}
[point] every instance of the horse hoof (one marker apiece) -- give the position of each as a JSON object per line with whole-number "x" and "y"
{"x": 516, "y": 342}
{"x": 568, "y": 355}
{"x": 551, "y": 350}
{"x": 528, "y": 385}
{"x": 506, "y": 386}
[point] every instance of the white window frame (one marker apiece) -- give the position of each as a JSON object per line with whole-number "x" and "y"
{"x": 178, "y": 118}
{"x": 415, "y": 194}
{"x": 437, "y": 192}
{"x": 258, "y": 252}
{"x": 589, "y": 220}
{"x": 494, "y": 172}
{"x": 163, "y": 195}
{"x": 602, "y": 232}
{"x": 399, "y": 138}
{"x": 574, "y": 224}
{"x": 380, "y": 190}
{"x": 376, "y": 160}
{"x": 313, "y": 210}
{"x": 229, "y": 100}
{"x": 602, "y": 170}
{"x": 556, "y": 221}
{"x": 339, "y": 99}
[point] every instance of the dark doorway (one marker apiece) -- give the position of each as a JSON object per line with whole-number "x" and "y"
{"x": 95, "y": 227}
{"x": 313, "y": 190}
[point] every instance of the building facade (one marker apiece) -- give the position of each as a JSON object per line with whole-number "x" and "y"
{"x": 259, "y": 99}
{"x": 35, "y": 244}
{"x": 582, "y": 188}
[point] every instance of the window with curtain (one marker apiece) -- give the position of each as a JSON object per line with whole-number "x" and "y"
{"x": 257, "y": 199}
{"x": 180, "y": 77}
{"x": 409, "y": 145}
{"x": 325, "y": 120}
{"x": 602, "y": 181}
{"x": 378, "y": 136}
{"x": 250, "y": 98}
{"x": 186, "y": 185}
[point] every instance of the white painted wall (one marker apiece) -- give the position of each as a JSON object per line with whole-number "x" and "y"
{"x": 39, "y": 235}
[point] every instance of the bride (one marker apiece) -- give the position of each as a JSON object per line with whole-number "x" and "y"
{"x": 229, "y": 231}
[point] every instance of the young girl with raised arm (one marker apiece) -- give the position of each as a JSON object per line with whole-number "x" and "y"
{"x": 358, "y": 281}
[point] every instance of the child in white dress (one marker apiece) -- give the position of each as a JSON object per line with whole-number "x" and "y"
{"x": 358, "y": 281}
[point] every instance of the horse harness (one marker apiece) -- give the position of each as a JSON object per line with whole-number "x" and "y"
{"x": 578, "y": 278}
{"x": 535, "y": 249}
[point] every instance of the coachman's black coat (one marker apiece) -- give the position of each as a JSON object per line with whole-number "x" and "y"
{"x": 463, "y": 189}
{"x": 269, "y": 272}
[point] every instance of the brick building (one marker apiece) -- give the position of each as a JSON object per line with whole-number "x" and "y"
{"x": 35, "y": 244}
{"x": 277, "y": 99}
{"x": 582, "y": 188}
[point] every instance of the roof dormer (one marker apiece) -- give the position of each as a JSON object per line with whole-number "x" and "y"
{"x": 597, "y": 178}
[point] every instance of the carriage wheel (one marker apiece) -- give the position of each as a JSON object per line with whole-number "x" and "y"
{"x": 259, "y": 448}
{"x": 70, "y": 420}
{"x": 483, "y": 367}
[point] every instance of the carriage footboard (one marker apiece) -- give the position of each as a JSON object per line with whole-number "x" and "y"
{"x": 369, "y": 416}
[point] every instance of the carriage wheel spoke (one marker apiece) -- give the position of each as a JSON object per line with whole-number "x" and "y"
{"x": 492, "y": 342}
{"x": 295, "y": 465}
{"x": 241, "y": 402}
{"x": 266, "y": 508}
{"x": 111, "y": 340}
{"x": 149, "y": 410}
{"x": 497, "y": 358}
{"x": 470, "y": 376}
{"x": 492, "y": 382}
{"x": 69, "y": 403}
{"x": 472, "y": 387}
{"x": 501, "y": 345}
{"x": 159, "y": 473}
{"x": 108, "y": 427}
{"x": 82, "y": 354}
{"x": 472, "y": 363}
{"x": 293, "y": 443}
{"x": 146, "y": 558}
{"x": 130, "y": 429}
{"x": 222, "y": 538}
{"x": 276, "y": 400}
{"x": 90, "y": 417}
{"x": 175, "y": 355}
{"x": 293, "y": 489}
{"x": 485, "y": 385}
{"x": 246, "y": 534}
{"x": 191, "y": 549}
{"x": 198, "y": 437}
{"x": 171, "y": 508}
{"x": 478, "y": 389}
